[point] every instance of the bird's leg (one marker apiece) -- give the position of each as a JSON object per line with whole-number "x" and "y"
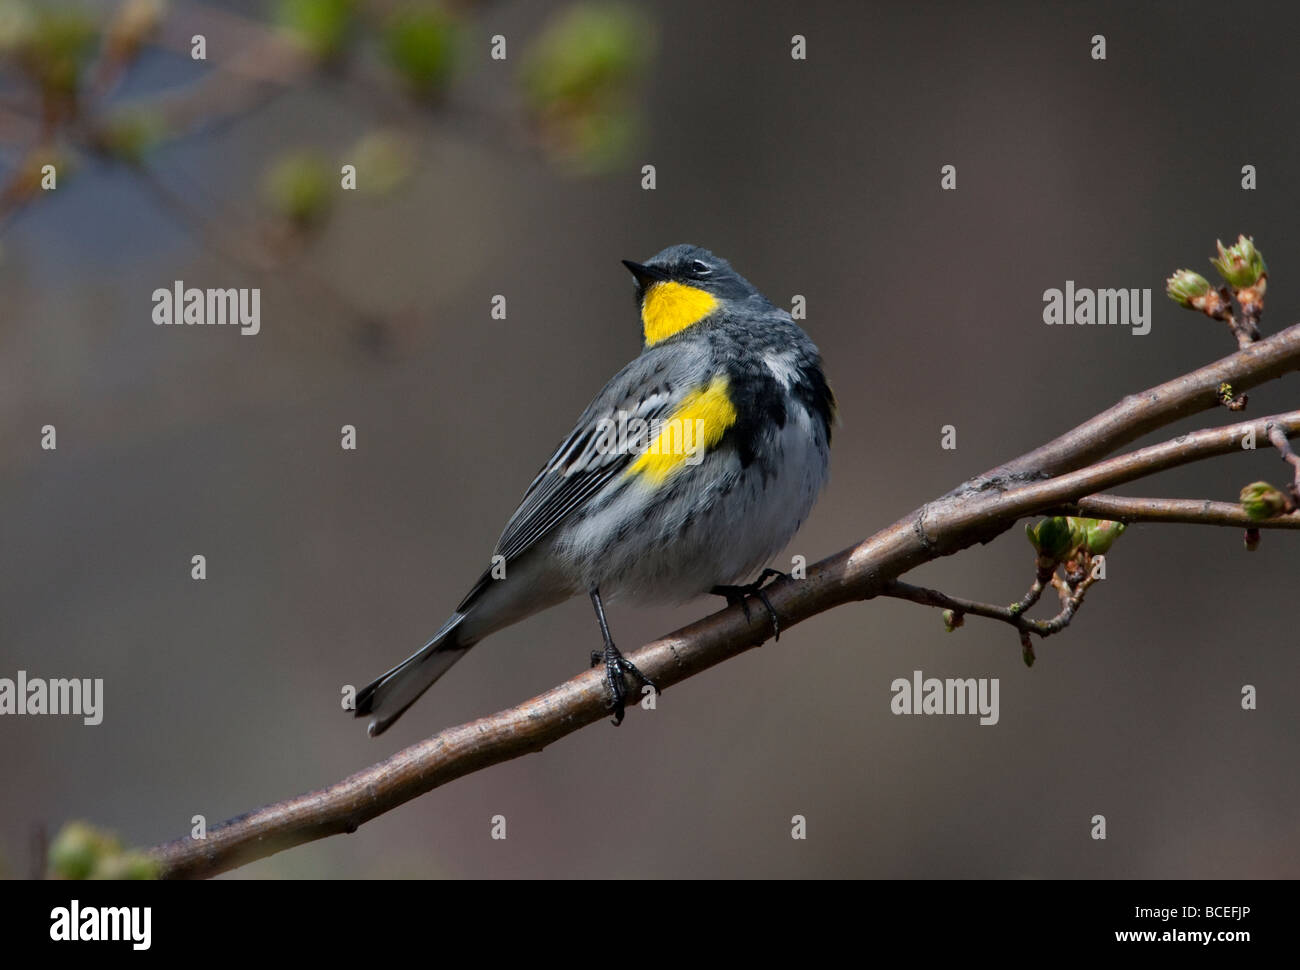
{"x": 616, "y": 665}
{"x": 738, "y": 594}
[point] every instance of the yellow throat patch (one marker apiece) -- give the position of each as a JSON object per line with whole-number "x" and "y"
{"x": 670, "y": 308}
{"x": 685, "y": 437}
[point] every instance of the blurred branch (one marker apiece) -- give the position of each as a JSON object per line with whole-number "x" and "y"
{"x": 976, "y": 512}
{"x": 573, "y": 89}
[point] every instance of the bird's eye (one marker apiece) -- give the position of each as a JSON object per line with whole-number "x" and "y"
{"x": 699, "y": 268}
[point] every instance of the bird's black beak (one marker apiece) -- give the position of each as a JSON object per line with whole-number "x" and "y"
{"x": 645, "y": 275}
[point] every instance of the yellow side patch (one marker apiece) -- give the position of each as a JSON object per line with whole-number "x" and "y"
{"x": 670, "y": 308}
{"x": 686, "y": 436}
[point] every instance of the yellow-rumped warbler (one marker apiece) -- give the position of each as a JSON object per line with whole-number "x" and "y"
{"x": 697, "y": 463}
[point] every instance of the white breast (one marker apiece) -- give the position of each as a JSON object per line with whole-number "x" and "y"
{"x": 729, "y": 527}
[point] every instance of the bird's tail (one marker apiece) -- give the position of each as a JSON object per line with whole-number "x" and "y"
{"x": 386, "y": 698}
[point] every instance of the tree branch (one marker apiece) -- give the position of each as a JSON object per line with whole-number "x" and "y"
{"x": 1171, "y": 510}
{"x": 1158, "y": 407}
{"x": 975, "y": 512}
{"x": 1280, "y": 442}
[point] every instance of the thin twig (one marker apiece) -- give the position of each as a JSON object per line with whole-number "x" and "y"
{"x": 1171, "y": 510}
{"x": 1005, "y": 614}
{"x": 1279, "y": 439}
{"x": 1042, "y": 577}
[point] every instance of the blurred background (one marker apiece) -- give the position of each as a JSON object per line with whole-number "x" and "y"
{"x": 522, "y": 177}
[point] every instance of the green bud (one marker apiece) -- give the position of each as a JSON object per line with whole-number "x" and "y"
{"x": 130, "y": 135}
{"x": 321, "y": 26}
{"x": 586, "y": 53}
{"x": 1052, "y": 538}
{"x": 1241, "y": 264}
{"x": 298, "y": 187}
{"x": 1186, "y": 287}
{"x": 1100, "y": 534}
{"x": 579, "y": 78}
{"x": 78, "y": 849}
{"x": 1262, "y": 501}
{"x": 384, "y": 159}
{"x": 1078, "y": 537}
{"x": 60, "y": 45}
{"x": 420, "y": 43}
{"x": 952, "y": 620}
{"x": 127, "y": 865}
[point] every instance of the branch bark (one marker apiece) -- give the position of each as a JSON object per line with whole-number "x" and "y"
{"x": 975, "y": 512}
{"x": 1184, "y": 511}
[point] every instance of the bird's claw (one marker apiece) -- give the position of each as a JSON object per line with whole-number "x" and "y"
{"x": 616, "y": 668}
{"x": 739, "y": 595}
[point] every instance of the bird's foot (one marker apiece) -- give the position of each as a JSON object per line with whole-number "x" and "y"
{"x": 740, "y": 594}
{"x": 616, "y": 667}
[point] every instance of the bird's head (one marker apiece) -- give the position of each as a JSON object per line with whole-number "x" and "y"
{"x": 682, "y": 286}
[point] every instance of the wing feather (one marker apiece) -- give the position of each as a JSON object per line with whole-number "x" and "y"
{"x": 581, "y": 466}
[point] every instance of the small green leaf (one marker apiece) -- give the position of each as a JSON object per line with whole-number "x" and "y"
{"x": 1100, "y": 534}
{"x": 1240, "y": 264}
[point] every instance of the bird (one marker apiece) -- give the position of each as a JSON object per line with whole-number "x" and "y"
{"x": 689, "y": 471}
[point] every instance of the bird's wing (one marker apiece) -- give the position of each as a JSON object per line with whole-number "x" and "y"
{"x": 648, "y": 388}
{"x": 582, "y": 465}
